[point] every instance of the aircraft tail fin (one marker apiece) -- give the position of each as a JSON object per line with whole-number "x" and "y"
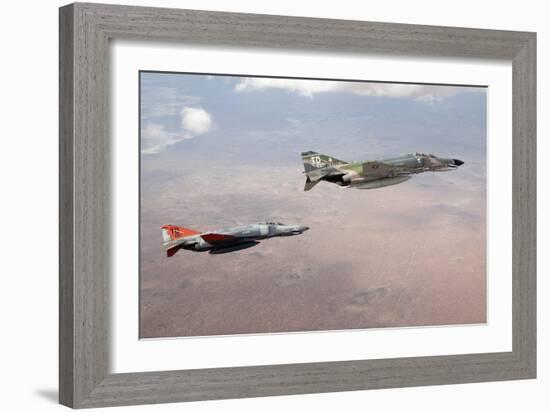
{"x": 172, "y": 235}
{"x": 313, "y": 161}
{"x": 317, "y": 166}
{"x": 173, "y": 232}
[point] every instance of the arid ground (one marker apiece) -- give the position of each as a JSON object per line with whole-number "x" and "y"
{"x": 413, "y": 254}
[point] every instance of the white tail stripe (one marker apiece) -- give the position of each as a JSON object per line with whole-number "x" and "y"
{"x": 165, "y": 236}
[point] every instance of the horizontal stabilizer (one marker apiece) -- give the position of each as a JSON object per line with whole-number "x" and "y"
{"x": 310, "y": 184}
{"x": 172, "y": 251}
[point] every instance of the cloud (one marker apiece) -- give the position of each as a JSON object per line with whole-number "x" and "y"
{"x": 308, "y": 88}
{"x": 195, "y": 121}
{"x": 154, "y": 138}
{"x": 160, "y": 101}
{"x": 294, "y": 122}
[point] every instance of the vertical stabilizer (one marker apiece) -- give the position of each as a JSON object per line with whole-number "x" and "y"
{"x": 313, "y": 161}
{"x": 173, "y": 232}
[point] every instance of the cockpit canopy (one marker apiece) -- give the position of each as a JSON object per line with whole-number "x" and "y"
{"x": 424, "y": 154}
{"x": 275, "y": 223}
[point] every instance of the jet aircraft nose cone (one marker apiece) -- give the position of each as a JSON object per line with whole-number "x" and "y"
{"x": 304, "y": 228}
{"x": 458, "y": 162}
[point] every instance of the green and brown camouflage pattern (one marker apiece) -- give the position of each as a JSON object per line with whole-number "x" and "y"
{"x": 371, "y": 174}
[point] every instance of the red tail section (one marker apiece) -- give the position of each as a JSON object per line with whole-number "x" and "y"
{"x": 170, "y": 233}
{"x": 173, "y": 232}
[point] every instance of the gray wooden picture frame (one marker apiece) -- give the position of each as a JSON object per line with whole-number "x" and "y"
{"x": 85, "y": 31}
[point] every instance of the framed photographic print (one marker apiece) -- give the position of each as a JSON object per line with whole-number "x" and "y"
{"x": 412, "y": 255}
{"x": 258, "y": 205}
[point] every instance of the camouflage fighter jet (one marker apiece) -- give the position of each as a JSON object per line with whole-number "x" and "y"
{"x": 371, "y": 174}
{"x": 224, "y": 240}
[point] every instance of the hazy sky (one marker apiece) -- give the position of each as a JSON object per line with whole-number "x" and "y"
{"x": 219, "y": 151}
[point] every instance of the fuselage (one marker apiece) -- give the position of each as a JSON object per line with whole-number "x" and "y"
{"x": 384, "y": 172}
{"x": 231, "y": 238}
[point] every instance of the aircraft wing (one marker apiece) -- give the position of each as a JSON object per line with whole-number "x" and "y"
{"x": 376, "y": 170}
{"x": 218, "y": 238}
